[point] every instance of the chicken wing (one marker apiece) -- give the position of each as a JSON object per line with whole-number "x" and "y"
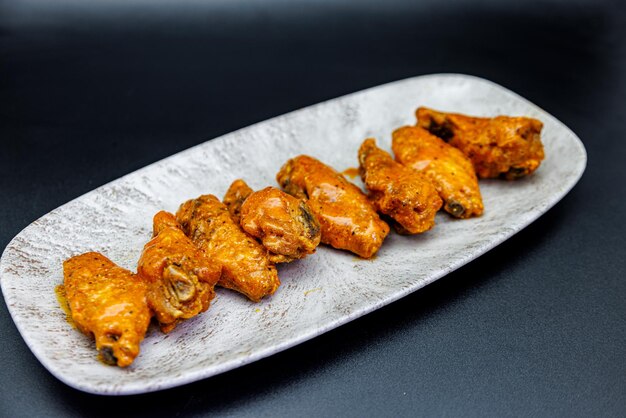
{"x": 507, "y": 147}
{"x": 108, "y": 302}
{"x": 246, "y": 267}
{"x": 347, "y": 219}
{"x": 236, "y": 194}
{"x": 180, "y": 277}
{"x": 284, "y": 224}
{"x": 447, "y": 167}
{"x": 405, "y": 195}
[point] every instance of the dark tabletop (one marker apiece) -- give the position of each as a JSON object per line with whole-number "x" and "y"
{"x": 90, "y": 91}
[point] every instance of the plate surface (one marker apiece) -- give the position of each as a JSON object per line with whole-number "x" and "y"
{"x": 317, "y": 294}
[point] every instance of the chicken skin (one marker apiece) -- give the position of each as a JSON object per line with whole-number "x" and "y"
{"x": 246, "y": 267}
{"x": 180, "y": 278}
{"x": 507, "y": 147}
{"x": 403, "y": 194}
{"x": 108, "y": 302}
{"x": 347, "y": 219}
{"x": 236, "y": 194}
{"x": 284, "y": 224}
{"x": 448, "y": 169}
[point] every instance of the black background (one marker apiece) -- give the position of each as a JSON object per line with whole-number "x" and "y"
{"x": 90, "y": 91}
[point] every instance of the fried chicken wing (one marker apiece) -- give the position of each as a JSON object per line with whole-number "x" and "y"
{"x": 447, "y": 167}
{"x": 236, "y": 194}
{"x": 403, "y": 194}
{"x": 179, "y": 276}
{"x": 507, "y": 147}
{"x": 246, "y": 267}
{"x": 284, "y": 224}
{"x": 347, "y": 219}
{"x": 108, "y": 302}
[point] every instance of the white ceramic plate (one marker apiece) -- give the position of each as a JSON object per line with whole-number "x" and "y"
{"x": 317, "y": 294}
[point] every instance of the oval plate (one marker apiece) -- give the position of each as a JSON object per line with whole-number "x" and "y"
{"x": 317, "y": 294}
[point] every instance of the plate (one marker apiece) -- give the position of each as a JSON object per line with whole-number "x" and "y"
{"x": 318, "y": 293}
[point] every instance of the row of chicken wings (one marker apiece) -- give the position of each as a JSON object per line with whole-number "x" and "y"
{"x": 236, "y": 242}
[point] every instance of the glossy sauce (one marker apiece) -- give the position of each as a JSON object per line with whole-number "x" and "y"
{"x": 351, "y": 172}
{"x": 59, "y": 291}
{"x": 347, "y": 218}
{"x": 447, "y": 167}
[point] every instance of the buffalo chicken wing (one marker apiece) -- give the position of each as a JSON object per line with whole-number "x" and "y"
{"x": 507, "y": 147}
{"x": 284, "y": 224}
{"x": 405, "y": 195}
{"x": 448, "y": 168}
{"x": 108, "y": 302}
{"x": 347, "y": 219}
{"x": 246, "y": 267}
{"x": 180, "y": 277}
{"x": 236, "y": 194}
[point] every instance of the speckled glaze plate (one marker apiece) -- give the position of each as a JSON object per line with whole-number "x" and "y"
{"x": 317, "y": 294}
